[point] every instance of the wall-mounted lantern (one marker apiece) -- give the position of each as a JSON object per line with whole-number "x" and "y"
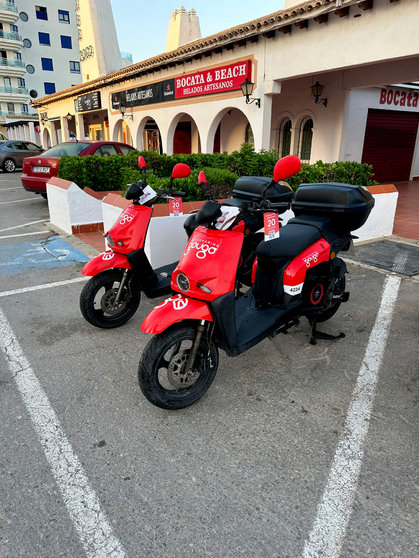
{"x": 122, "y": 110}
{"x": 317, "y": 90}
{"x": 247, "y": 89}
{"x": 68, "y": 116}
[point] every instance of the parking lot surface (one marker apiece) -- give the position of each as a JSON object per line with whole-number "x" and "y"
{"x": 295, "y": 451}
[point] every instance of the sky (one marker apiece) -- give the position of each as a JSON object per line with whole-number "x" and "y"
{"x": 142, "y": 26}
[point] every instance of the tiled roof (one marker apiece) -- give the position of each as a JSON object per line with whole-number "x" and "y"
{"x": 271, "y": 22}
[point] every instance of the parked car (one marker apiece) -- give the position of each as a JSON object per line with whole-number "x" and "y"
{"x": 12, "y": 153}
{"x": 38, "y": 170}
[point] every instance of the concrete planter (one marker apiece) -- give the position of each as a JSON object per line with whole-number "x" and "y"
{"x": 75, "y": 210}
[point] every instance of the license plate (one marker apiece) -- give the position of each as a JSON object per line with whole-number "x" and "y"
{"x": 41, "y": 169}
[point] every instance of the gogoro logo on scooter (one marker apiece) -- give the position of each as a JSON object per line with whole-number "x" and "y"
{"x": 179, "y": 303}
{"x": 202, "y": 248}
{"x": 311, "y": 258}
{"x": 125, "y": 219}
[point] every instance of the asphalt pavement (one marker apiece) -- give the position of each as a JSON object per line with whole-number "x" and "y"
{"x": 295, "y": 451}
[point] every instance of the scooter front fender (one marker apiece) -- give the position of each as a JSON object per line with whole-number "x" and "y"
{"x": 103, "y": 261}
{"x": 175, "y": 309}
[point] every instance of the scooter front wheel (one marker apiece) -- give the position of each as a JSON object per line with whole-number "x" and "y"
{"x": 162, "y": 372}
{"x": 97, "y": 299}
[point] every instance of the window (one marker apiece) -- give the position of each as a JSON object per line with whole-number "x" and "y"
{"x": 14, "y": 29}
{"x": 284, "y": 146}
{"x": 27, "y": 43}
{"x": 17, "y": 56}
{"x": 49, "y": 88}
{"x": 7, "y": 82}
{"x": 47, "y": 64}
{"x": 65, "y": 42}
{"x": 23, "y": 16}
{"x": 10, "y": 108}
{"x": 74, "y": 67}
{"x": 21, "y": 82}
{"x": 44, "y": 39}
{"x": 125, "y": 149}
{"x": 41, "y": 12}
{"x": 306, "y": 137}
{"x": 25, "y": 108}
{"x": 30, "y": 69}
{"x": 32, "y": 146}
{"x": 105, "y": 150}
{"x": 248, "y": 135}
{"x": 63, "y": 16}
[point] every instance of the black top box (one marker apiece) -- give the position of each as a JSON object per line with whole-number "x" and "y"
{"x": 347, "y": 205}
{"x": 251, "y": 188}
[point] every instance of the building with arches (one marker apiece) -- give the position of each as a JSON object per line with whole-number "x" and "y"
{"x": 190, "y": 100}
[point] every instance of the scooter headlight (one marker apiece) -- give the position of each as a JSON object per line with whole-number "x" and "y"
{"x": 182, "y": 282}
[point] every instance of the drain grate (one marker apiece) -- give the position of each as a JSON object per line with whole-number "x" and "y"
{"x": 389, "y": 255}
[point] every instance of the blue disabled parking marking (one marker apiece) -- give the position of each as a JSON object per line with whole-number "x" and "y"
{"x": 43, "y": 254}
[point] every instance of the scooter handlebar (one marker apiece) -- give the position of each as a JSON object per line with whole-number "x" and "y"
{"x": 170, "y": 193}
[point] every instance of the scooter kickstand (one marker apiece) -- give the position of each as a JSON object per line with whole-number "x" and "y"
{"x": 321, "y": 335}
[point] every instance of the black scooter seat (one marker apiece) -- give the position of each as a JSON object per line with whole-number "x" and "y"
{"x": 293, "y": 239}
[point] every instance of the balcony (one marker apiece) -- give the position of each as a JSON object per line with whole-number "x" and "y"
{"x": 12, "y": 41}
{"x": 14, "y": 94}
{"x": 15, "y": 90}
{"x": 8, "y": 12}
{"x": 11, "y": 63}
{"x": 15, "y": 68}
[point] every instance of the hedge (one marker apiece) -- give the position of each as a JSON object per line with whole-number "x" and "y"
{"x": 221, "y": 169}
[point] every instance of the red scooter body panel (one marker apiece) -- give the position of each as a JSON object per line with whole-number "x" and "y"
{"x": 210, "y": 259}
{"x": 295, "y": 272}
{"x": 175, "y": 309}
{"x": 131, "y": 228}
{"x": 105, "y": 260}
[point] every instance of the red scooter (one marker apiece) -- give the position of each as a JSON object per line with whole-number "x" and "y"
{"x": 111, "y": 297}
{"x": 296, "y": 274}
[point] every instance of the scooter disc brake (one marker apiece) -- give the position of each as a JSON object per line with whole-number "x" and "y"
{"x": 176, "y": 374}
{"x": 108, "y": 305}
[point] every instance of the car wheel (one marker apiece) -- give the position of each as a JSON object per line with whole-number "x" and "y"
{"x": 9, "y": 165}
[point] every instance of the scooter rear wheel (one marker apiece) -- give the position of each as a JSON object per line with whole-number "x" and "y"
{"x": 98, "y": 296}
{"x": 162, "y": 373}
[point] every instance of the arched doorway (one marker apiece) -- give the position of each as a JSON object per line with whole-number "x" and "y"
{"x": 184, "y": 135}
{"x": 230, "y": 129}
{"x": 122, "y": 132}
{"x": 46, "y": 139}
{"x": 148, "y": 136}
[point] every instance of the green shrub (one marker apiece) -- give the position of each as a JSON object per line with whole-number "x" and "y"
{"x": 221, "y": 169}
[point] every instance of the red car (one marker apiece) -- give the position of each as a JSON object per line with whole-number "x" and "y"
{"x": 38, "y": 170}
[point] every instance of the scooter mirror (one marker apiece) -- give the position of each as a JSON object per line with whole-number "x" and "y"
{"x": 202, "y": 181}
{"x": 142, "y": 163}
{"x": 181, "y": 170}
{"x": 286, "y": 167}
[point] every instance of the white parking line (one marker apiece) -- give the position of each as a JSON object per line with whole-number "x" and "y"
{"x": 44, "y": 286}
{"x": 24, "y": 225}
{"x": 80, "y": 499}
{"x": 17, "y": 201}
{"x": 17, "y": 188}
{"x": 335, "y": 508}
{"x": 22, "y": 234}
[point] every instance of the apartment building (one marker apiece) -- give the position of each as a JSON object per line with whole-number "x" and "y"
{"x": 40, "y": 54}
